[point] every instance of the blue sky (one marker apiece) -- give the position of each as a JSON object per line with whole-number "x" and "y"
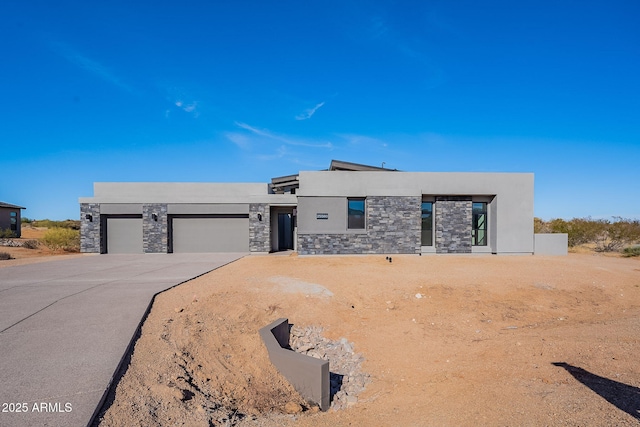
{"x": 248, "y": 90}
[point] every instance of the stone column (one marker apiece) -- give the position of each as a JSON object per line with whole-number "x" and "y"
{"x": 90, "y": 230}
{"x": 453, "y": 216}
{"x": 155, "y": 228}
{"x": 259, "y": 227}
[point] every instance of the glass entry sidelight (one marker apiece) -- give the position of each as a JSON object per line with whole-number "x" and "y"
{"x": 479, "y": 224}
{"x": 427, "y": 224}
{"x": 285, "y": 231}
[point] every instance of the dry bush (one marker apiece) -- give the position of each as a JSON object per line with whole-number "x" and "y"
{"x": 5, "y": 256}
{"x": 64, "y": 239}
{"x": 607, "y": 236}
{"x": 31, "y": 244}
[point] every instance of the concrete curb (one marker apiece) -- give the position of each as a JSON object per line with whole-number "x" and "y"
{"x": 109, "y": 394}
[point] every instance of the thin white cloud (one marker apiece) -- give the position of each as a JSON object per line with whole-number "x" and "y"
{"x": 284, "y": 139}
{"x": 241, "y": 140}
{"x": 308, "y": 113}
{"x": 89, "y": 65}
{"x": 188, "y": 107}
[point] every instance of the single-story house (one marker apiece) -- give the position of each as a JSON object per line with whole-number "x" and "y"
{"x": 347, "y": 209}
{"x": 10, "y": 218}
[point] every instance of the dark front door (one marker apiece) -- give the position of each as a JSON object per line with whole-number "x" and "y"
{"x": 285, "y": 231}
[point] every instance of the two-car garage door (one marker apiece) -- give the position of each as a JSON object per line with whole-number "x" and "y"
{"x": 215, "y": 233}
{"x": 187, "y": 234}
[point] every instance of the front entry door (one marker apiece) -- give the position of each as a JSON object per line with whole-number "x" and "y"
{"x": 285, "y": 231}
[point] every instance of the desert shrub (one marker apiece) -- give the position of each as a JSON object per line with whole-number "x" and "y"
{"x": 31, "y": 244}
{"x": 606, "y": 235}
{"x": 631, "y": 251}
{"x": 26, "y": 220}
{"x": 47, "y": 223}
{"x": 5, "y": 256}
{"x": 6, "y": 233}
{"x": 540, "y": 226}
{"x": 62, "y": 238}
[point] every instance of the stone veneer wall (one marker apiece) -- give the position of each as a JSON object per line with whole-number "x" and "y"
{"x": 453, "y": 216}
{"x": 90, "y": 230}
{"x": 259, "y": 231}
{"x": 392, "y": 226}
{"x": 155, "y": 234}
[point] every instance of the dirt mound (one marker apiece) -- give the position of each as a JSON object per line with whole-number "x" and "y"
{"x": 490, "y": 340}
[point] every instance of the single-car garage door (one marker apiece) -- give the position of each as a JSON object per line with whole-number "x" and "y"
{"x": 124, "y": 235}
{"x": 217, "y": 233}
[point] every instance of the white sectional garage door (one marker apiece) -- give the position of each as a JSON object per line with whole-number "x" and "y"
{"x": 124, "y": 235}
{"x": 215, "y": 234}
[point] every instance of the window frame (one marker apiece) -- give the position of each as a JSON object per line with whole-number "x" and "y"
{"x": 475, "y": 241}
{"x": 422, "y": 243}
{"x": 13, "y": 221}
{"x": 351, "y": 219}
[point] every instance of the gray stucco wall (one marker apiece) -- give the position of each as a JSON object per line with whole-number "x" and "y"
{"x": 90, "y": 229}
{"x": 551, "y": 244}
{"x": 453, "y": 224}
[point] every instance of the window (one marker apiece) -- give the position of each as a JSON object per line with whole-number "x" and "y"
{"x": 427, "y": 224}
{"x": 355, "y": 213}
{"x": 14, "y": 221}
{"x": 479, "y": 224}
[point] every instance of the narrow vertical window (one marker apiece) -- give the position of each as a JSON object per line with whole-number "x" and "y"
{"x": 479, "y": 224}
{"x": 427, "y": 224}
{"x": 355, "y": 213}
{"x": 14, "y": 221}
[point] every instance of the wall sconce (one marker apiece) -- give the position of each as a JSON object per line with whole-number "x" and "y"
{"x": 154, "y": 216}
{"x": 259, "y": 217}
{"x": 89, "y": 217}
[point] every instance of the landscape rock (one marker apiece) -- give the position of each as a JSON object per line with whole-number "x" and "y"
{"x": 346, "y": 377}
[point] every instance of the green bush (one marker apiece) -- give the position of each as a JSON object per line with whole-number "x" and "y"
{"x": 62, "y": 238}
{"x": 5, "y": 256}
{"x": 6, "y": 233}
{"x": 31, "y": 244}
{"x": 631, "y": 251}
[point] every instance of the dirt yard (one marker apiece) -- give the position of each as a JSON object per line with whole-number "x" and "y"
{"x": 448, "y": 340}
{"x": 22, "y": 256}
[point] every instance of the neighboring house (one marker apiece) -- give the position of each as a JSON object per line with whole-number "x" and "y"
{"x": 348, "y": 209}
{"x": 10, "y": 218}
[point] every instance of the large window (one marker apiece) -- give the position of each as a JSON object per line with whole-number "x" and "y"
{"x": 355, "y": 213}
{"x": 479, "y": 224}
{"x": 427, "y": 224}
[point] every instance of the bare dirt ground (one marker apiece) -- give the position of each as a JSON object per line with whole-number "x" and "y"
{"x": 493, "y": 340}
{"x": 22, "y": 256}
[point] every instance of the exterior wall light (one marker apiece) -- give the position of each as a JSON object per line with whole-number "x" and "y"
{"x": 154, "y": 216}
{"x": 89, "y": 217}
{"x": 259, "y": 217}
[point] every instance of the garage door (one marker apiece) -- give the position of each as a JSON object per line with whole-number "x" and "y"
{"x": 216, "y": 234}
{"x": 124, "y": 235}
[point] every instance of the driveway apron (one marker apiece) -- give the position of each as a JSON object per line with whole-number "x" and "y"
{"x": 66, "y": 325}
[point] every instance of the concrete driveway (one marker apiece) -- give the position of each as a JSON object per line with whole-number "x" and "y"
{"x": 66, "y": 325}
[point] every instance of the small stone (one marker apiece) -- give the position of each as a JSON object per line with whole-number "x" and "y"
{"x": 292, "y": 408}
{"x": 178, "y": 309}
{"x": 314, "y": 410}
{"x": 418, "y": 295}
